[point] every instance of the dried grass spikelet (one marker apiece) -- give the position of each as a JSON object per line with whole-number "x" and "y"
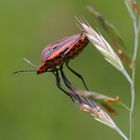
{"x": 99, "y": 115}
{"x": 91, "y": 107}
{"x": 105, "y": 101}
{"x": 116, "y": 40}
{"x": 103, "y": 46}
{"x": 132, "y": 8}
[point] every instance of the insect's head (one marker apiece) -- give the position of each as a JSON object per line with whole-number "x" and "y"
{"x": 41, "y": 69}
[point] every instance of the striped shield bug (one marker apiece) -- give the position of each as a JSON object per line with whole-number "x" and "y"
{"x": 58, "y": 53}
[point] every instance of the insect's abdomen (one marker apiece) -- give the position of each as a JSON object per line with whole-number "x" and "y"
{"x": 64, "y": 52}
{"x": 77, "y": 48}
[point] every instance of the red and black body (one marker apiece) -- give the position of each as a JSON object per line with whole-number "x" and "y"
{"x": 60, "y": 52}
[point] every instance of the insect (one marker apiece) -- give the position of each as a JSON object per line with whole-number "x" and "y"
{"x": 58, "y": 53}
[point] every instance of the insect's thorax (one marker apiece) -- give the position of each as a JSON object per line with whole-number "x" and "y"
{"x": 58, "y": 54}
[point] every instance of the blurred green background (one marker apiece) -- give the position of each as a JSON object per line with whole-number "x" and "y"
{"x": 31, "y": 106}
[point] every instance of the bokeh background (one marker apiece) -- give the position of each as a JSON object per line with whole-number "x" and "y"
{"x": 31, "y": 106}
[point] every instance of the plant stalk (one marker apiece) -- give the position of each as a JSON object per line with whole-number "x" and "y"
{"x": 136, "y": 42}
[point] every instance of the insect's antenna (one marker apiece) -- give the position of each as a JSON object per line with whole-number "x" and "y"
{"x": 29, "y": 62}
{"x": 23, "y": 71}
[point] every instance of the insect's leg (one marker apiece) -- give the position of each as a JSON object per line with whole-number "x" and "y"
{"x": 71, "y": 88}
{"x": 65, "y": 80}
{"x": 58, "y": 84}
{"x": 78, "y": 75}
{"x": 73, "y": 91}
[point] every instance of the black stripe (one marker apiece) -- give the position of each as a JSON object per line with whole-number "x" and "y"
{"x": 50, "y": 50}
{"x": 59, "y": 41}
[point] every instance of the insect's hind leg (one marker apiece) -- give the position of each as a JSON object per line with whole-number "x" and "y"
{"x": 58, "y": 84}
{"x": 78, "y": 75}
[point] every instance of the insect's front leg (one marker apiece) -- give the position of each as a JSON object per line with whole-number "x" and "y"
{"x": 58, "y": 84}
